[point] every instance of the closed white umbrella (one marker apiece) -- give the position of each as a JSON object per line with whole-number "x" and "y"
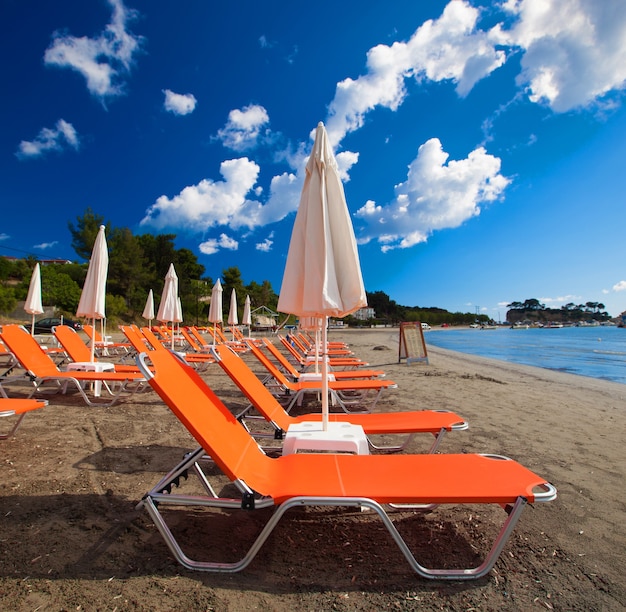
{"x": 93, "y": 297}
{"x": 322, "y": 275}
{"x": 215, "y": 311}
{"x": 148, "y": 310}
{"x": 168, "y": 308}
{"x": 233, "y": 318}
{"x": 33, "y": 300}
{"x": 246, "y": 318}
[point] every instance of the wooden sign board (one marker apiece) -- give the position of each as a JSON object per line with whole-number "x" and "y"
{"x": 412, "y": 344}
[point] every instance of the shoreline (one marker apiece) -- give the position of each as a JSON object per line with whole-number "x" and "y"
{"x": 430, "y": 347}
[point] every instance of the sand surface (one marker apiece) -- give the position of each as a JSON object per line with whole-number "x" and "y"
{"x": 71, "y": 539}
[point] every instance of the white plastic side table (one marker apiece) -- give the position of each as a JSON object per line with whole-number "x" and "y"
{"x": 92, "y": 366}
{"x": 314, "y": 377}
{"x": 338, "y": 438}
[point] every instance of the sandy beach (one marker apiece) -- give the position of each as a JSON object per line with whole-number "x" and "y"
{"x": 71, "y": 539}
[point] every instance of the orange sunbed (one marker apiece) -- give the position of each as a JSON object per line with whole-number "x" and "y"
{"x": 77, "y": 350}
{"x": 310, "y": 479}
{"x": 291, "y": 371}
{"x": 435, "y": 422}
{"x": 360, "y": 390}
{"x": 306, "y": 361}
{"x": 43, "y": 372}
{"x": 10, "y": 407}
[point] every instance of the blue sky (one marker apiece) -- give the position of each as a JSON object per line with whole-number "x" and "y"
{"x": 482, "y": 144}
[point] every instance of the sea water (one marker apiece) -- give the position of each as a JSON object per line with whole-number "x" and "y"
{"x": 599, "y": 352}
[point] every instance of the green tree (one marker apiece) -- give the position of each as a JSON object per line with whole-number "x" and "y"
{"x": 533, "y": 304}
{"x": 262, "y": 295}
{"x": 232, "y": 280}
{"x": 130, "y": 274}
{"x": 58, "y": 289}
{"x": 7, "y": 299}
{"x": 161, "y": 252}
{"x": 85, "y": 231}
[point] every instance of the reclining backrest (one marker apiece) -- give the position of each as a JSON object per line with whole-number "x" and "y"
{"x": 93, "y": 333}
{"x": 27, "y": 351}
{"x": 152, "y": 339}
{"x": 72, "y": 344}
{"x": 267, "y": 364}
{"x": 134, "y": 336}
{"x": 284, "y": 362}
{"x": 297, "y": 356}
{"x": 295, "y": 341}
{"x": 190, "y": 339}
{"x": 200, "y": 338}
{"x": 213, "y": 426}
{"x": 258, "y": 394}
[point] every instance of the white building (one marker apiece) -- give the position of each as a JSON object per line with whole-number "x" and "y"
{"x": 363, "y": 314}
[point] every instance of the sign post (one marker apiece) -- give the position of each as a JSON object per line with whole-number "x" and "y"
{"x": 412, "y": 345}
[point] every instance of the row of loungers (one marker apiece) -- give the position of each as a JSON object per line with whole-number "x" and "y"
{"x": 383, "y": 483}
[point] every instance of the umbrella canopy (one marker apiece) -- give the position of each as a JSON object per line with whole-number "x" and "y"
{"x": 322, "y": 275}
{"x": 233, "y": 317}
{"x": 33, "y": 300}
{"x": 215, "y": 311}
{"x": 168, "y": 308}
{"x": 148, "y": 311}
{"x": 246, "y": 318}
{"x": 93, "y": 297}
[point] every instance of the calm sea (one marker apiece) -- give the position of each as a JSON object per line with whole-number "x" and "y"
{"x": 599, "y": 352}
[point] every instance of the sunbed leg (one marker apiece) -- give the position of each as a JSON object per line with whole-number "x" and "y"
{"x": 438, "y": 438}
{"x": 15, "y": 427}
{"x": 457, "y": 574}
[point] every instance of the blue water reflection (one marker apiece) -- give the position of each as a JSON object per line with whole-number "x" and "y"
{"x": 599, "y": 352}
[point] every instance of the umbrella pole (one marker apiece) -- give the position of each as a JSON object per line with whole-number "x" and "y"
{"x": 324, "y": 376}
{"x": 317, "y": 350}
{"x": 32, "y": 325}
{"x": 93, "y": 340}
{"x": 172, "y": 335}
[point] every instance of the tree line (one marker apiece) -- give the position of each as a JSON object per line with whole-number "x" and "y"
{"x": 533, "y": 310}
{"x": 389, "y": 312}
{"x": 137, "y": 263}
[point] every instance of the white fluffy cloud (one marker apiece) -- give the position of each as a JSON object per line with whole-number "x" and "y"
{"x": 437, "y": 194}
{"x": 226, "y": 203}
{"x": 179, "y": 104}
{"x": 46, "y": 245}
{"x": 243, "y": 128}
{"x": 621, "y": 286}
{"x": 449, "y": 48}
{"x": 573, "y": 52}
{"x": 266, "y": 245}
{"x": 59, "y": 137}
{"x": 209, "y": 203}
{"x": 104, "y": 60}
{"x": 212, "y": 246}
